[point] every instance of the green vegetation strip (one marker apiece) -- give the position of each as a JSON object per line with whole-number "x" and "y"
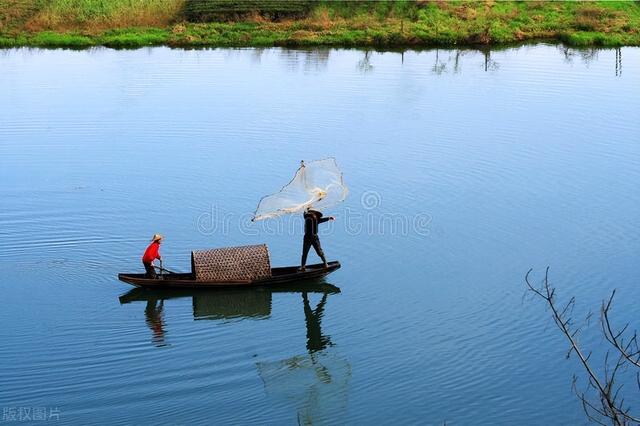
{"x": 210, "y": 23}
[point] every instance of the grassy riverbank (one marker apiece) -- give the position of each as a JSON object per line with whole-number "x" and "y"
{"x": 199, "y": 23}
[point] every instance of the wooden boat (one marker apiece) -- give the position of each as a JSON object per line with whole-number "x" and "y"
{"x": 230, "y": 267}
{"x": 187, "y": 280}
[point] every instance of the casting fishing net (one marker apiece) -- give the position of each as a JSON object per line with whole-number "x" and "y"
{"x": 316, "y": 184}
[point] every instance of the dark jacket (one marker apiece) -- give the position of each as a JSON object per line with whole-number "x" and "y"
{"x": 311, "y": 220}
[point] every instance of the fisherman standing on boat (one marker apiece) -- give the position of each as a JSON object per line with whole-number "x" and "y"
{"x": 150, "y": 254}
{"x": 311, "y": 220}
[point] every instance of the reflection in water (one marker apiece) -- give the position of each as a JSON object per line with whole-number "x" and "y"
{"x": 451, "y": 62}
{"x": 307, "y": 60}
{"x": 231, "y": 304}
{"x": 447, "y": 60}
{"x": 489, "y": 64}
{"x": 221, "y": 304}
{"x": 590, "y": 54}
{"x": 153, "y": 317}
{"x": 316, "y": 383}
{"x": 438, "y": 67}
{"x": 315, "y": 340}
{"x": 587, "y": 55}
{"x": 256, "y": 54}
{"x": 311, "y": 60}
{"x": 364, "y": 64}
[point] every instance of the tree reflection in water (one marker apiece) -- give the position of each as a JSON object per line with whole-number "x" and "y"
{"x": 449, "y": 60}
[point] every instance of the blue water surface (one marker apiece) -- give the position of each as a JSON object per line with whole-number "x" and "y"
{"x": 466, "y": 168}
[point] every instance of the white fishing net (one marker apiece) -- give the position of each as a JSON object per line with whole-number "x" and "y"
{"x": 318, "y": 184}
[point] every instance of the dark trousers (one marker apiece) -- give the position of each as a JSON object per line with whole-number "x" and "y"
{"x": 151, "y": 272}
{"x": 306, "y": 245}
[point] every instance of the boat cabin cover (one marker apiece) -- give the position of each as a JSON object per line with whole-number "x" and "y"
{"x": 245, "y": 263}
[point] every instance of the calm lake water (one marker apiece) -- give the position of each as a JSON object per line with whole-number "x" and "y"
{"x": 465, "y": 170}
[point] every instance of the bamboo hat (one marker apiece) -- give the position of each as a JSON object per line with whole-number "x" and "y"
{"x": 157, "y": 237}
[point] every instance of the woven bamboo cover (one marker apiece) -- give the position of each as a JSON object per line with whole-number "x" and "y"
{"x": 231, "y": 263}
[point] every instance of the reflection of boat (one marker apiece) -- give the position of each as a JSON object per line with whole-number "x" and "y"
{"x": 231, "y": 267}
{"x": 230, "y": 302}
{"x": 315, "y": 384}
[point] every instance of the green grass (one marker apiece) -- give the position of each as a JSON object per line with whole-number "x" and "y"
{"x": 129, "y": 38}
{"x": 68, "y": 40}
{"x": 133, "y": 23}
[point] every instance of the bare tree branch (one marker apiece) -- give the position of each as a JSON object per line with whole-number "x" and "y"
{"x": 611, "y": 404}
{"x": 631, "y": 351}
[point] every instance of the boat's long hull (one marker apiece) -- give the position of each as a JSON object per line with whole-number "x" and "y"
{"x": 278, "y": 276}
